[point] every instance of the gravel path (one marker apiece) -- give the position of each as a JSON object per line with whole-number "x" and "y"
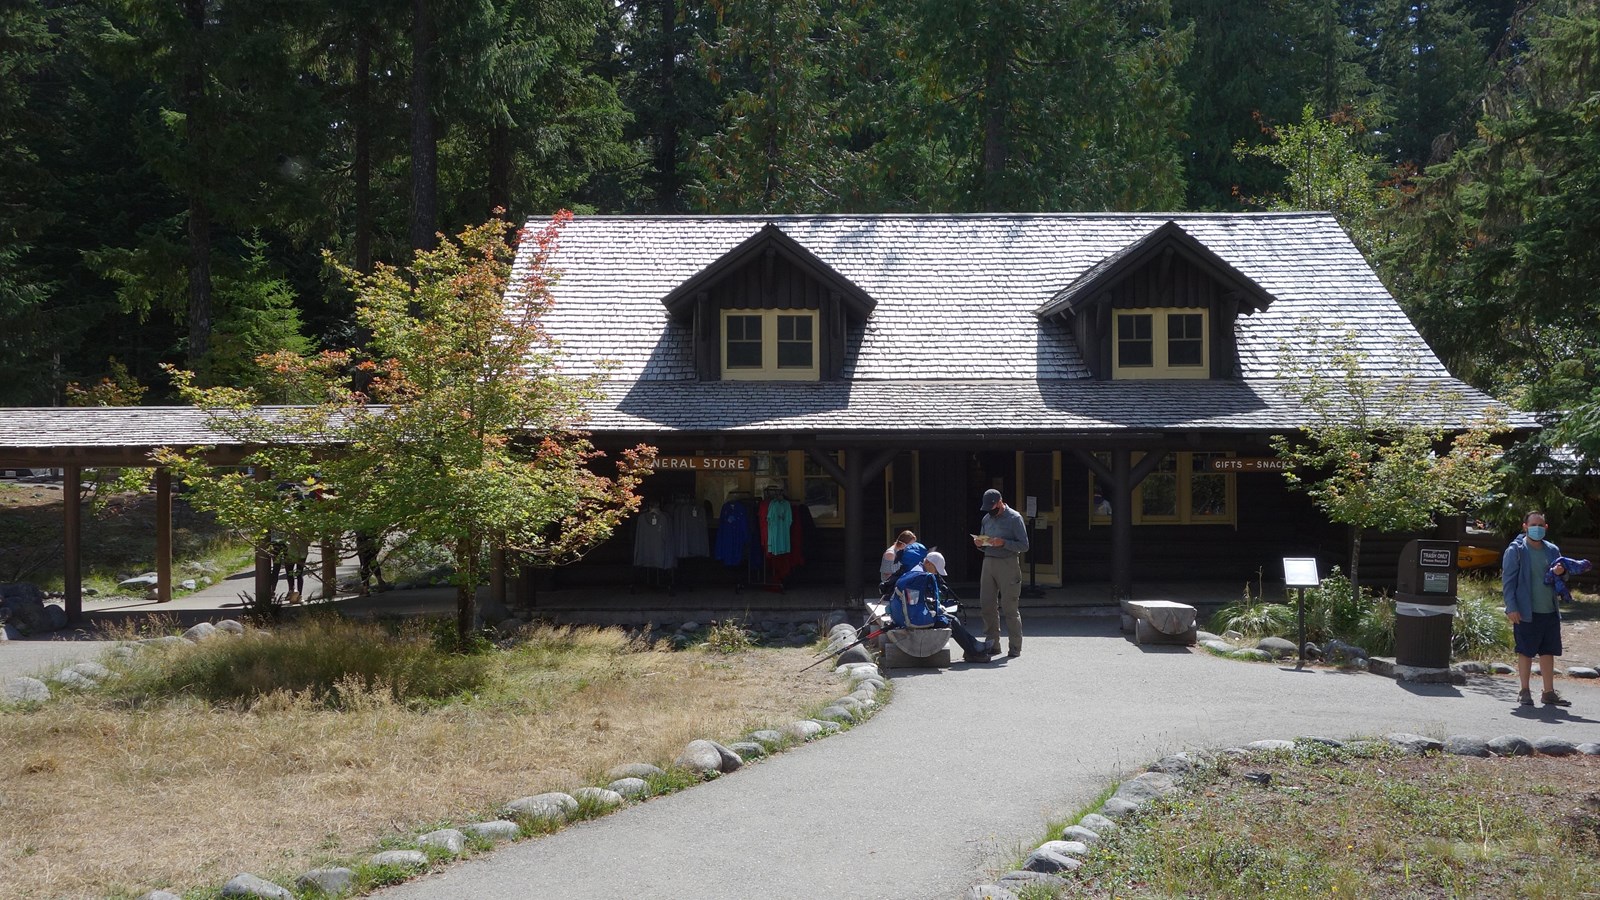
{"x": 965, "y": 767}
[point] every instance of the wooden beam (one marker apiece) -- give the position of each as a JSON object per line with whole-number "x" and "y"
{"x": 264, "y": 586}
{"x": 72, "y": 543}
{"x": 163, "y": 535}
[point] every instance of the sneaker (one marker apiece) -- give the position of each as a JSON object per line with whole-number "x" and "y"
{"x": 977, "y": 657}
{"x": 1551, "y": 698}
{"x": 1525, "y": 698}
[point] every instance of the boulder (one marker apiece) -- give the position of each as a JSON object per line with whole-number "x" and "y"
{"x": 1583, "y": 672}
{"x": 827, "y": 726}
{"x": 767, "y": 737}
{"x": 600, "y": 798}
{"x": 837, "y": 714}
{"x": 803, "y": 730}
{"x": 23, "y": 689}
{"x": 1591, "y": 748}
{"x": 1331, "y": 743}
{"x": 1511, "y": 745}
{"x": 1415, "y": 743}
{"x": 160, "y": 895}
{"x": 1278, "y": 647}
{"x": 1550, "y": 746}
{"x": 188, "y": 584}
{"x": 633, "y": 770}
{"x": 247, "y": 885}
{"x": 140, "y": 582}
{"x": 1065, "y": 848}
{"x": 858, "y": 653}
{"x": 401, "y": 859}
{"x": 1269, "y": 745}
{"x": 748, "y": 750}
{"x": 72, "y": 679}
{"x": 1023, "y": 879}
{"x": 1501, "y": 668}
{"x": 1046, "y": 861}
{"x": 334, "y": 881}
{"x": 631, "y": 788}
{"x": 1079, "y": 834}
{"x": 1097, "y": 823}
{"x": 707, "y": 757}
{"x": 1117, "y": 808}
{"x": 231, "y": 626}
{"x": 553, "y": 805}
{"x": 200, "y": 632}
{"x": 497, "y": 830}
{"x": 450, "y": 840}
{"x": 1145, "y": 787}
{"x": 92, "y": 669}
{"x": 1466, "y": 745}
{"x": 1217, "y": 646}
{"x": 1251, "y": 655}
{"x": 55, "y": 616}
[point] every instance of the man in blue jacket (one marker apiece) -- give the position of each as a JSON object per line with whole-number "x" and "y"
{"x": 1531, "y": 607}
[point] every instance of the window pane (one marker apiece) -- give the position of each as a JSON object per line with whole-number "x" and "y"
{"x": 1185, "y": 339}
{"x": 822, "y": 492}
{"x": 744, "y": 342}
{"x": 1159, "y": 494}
{"x": 1208, "y": 490}
{"x": 1135, "y": 345}
{"x": 794, "y": 342}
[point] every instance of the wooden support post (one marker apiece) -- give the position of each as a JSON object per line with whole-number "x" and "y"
{"x": 1120, "y": 480}
{"x": 163, "y": 535}
{"x": 72, "y": 543}
{"x": 853, "y": 477}
{"x": 330, "y": 567}
{"x": 497, "y": 575}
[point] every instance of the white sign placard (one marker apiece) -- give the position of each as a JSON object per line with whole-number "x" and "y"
{"x": 1032, "y": 503}
{"x": 1299, "y": 572}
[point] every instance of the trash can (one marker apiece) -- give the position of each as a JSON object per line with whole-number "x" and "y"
{"x": 1425, "y": 604}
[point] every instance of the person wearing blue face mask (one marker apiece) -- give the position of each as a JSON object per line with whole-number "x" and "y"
{"x": 1531, "y": 607}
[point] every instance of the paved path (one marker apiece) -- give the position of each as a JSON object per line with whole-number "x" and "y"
{"x": 1015, "y": 744}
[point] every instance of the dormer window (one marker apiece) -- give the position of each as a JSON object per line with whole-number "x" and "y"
{"x": 769, "y": 345}
{"x": 1161, "y": 343}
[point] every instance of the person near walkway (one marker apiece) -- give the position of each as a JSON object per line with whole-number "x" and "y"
{"x": 917, "y": 604}
{"x": 905, "y": 554}
{"x": 1531, "y": 607}
{"x": 369, "y": 546}
{"x": 1003, "y": 538}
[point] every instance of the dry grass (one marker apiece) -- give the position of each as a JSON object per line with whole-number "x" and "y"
{"x": 103, "y": 797}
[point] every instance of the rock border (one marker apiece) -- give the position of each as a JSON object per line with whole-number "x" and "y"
{"x": 539, "y": 814}
{"x": 1052, "y": 863}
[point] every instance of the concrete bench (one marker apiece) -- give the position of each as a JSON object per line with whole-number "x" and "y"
{"x": 1159, "y": 622}
{"x": 908, "y": 648}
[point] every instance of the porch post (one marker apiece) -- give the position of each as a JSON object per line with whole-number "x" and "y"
{"x": 1121, "y": 525}
{"x": 497, "y": 575}
{"x": 853, "y": 477}
{"x": 163, "y": 535}
{"x": 72, "y": 543}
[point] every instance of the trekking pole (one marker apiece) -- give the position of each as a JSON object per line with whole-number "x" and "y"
{"x": 858, "y": 643}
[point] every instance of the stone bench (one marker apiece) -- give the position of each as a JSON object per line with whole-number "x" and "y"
{"x": 1159, "y": 622}
{"x": 908, "y": 648}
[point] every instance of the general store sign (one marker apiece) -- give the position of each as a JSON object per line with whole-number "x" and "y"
{"x": 703, "y": 463}
{"x": 1248, "y": 464}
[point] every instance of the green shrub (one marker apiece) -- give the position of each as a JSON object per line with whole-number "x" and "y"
{"x": 1481, "y": 627}
{"x": 333, "y": 661}
{"x": 728, "y": 636}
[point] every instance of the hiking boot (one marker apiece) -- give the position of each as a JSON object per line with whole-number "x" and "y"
{"x": 977, "y": 656}
{"x": 1551, "y": 698}
{"x": 1525, "y": 698}
{"x": 1013, "y": 653}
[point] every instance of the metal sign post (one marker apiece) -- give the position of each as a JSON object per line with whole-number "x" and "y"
{"x": 1300, "y": 573}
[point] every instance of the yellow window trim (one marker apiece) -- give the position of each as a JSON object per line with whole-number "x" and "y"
{"x": 1158, "y": 332}
{"x": 769, "y": 369}
{"x": 1186, "y": 515}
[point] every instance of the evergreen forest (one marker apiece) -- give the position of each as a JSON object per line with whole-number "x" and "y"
{"x": 177, "y": 177}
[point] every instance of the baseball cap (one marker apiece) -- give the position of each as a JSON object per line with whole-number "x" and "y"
{"x": 936, "y": 559}
{"x": 990, "y": 498}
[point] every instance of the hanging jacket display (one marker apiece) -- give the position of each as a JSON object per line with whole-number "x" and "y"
{"x": 733, "y": 529}
{"x": 780, "y": 520}
{"x": 654, "y": 541}
{"x": 690, "y": 524}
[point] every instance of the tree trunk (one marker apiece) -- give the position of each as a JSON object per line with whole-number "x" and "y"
{"x": 994, "y": 135}
{"x": 666, "y": 162}
{"x": 363, "y": 150}
{"x": 500, "y": 170}
{"x": 195, "y": 132}
{"x": 1355, "y": 564}
{"x": 466, "y": 589}
{"x": 424, "y": 136}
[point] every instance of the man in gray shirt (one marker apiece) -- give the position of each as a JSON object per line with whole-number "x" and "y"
{"x": 1003, "y": 538}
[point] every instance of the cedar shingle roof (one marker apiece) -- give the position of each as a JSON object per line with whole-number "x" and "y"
{"x": 955, "y": 304}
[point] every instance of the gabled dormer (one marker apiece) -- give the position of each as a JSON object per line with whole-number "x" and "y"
{"x": 1164, "y": 306}
{"x": 769, "y": 310}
